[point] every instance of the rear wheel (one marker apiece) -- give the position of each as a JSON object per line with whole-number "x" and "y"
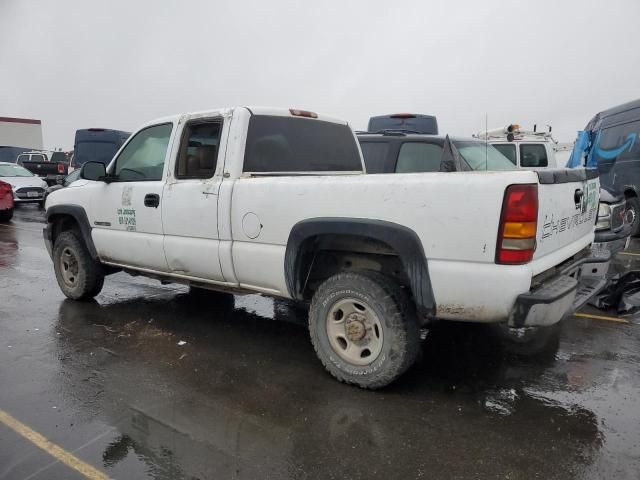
{"x": 364, "y": 328}
{"x": 633, "y": 215}
{"x": 6, "y": 215}
{"x": 79, "y": 276}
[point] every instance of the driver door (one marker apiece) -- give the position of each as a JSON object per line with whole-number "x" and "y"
{"x": 127, "y": 220}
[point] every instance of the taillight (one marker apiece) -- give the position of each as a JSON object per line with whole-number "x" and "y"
{"x": 403, "y": 115}
{"x": 5, "y": 188}
{"x": 518, "y": 225}
{"x": 61, "y": 168}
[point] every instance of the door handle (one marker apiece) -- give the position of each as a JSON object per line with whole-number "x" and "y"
{"x": 152, "y": 200}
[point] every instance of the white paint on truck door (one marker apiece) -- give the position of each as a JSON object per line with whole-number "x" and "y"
{"x": 190, "y": 201}
{"x": 127, "y": 212}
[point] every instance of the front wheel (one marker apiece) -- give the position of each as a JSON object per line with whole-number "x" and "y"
{"x": 364, "y": 328}
{"x": 633, "y": 215}
{"x": 79, "y": 276}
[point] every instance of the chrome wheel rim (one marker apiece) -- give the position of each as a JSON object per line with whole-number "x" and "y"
{"x": 354, "y": 331}
{"x": 631, "y": 215}
{"x": 69, "y": 267}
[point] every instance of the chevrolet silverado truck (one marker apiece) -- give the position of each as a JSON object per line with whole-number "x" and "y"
{"x": 277, "y": 201}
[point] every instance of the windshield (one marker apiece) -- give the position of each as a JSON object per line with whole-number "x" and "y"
{"x": 482, "y": 156}
{"x": 101, "y": 152}
{"x": 14, "y": 171}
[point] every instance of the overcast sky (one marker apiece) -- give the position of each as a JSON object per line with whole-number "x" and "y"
{"x": 116, "y": 64}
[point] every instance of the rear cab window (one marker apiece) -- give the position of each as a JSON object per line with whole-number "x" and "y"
{"x": 533, "y": 155}
{"x": 278, "y": 144}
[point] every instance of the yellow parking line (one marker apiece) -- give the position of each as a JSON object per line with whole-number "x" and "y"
{"x": 51, "y": 448}
{"x": 601, "y": 317}
{"x": 629, "y": 253}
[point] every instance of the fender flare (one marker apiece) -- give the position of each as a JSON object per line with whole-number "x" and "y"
{"x": 401, "y": 239}
{"x": 80, "y": 216}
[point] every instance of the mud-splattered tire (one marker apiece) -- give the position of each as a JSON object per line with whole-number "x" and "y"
{"x": 79, "y": 276}
{"x": 6, "y": 215}
{"x": 364, "y": 328}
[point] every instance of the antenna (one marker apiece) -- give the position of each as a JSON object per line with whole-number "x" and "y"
{"x": 486, "y": 142}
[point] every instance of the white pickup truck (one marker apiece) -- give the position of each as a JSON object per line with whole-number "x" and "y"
{"x": 276, "y": 201}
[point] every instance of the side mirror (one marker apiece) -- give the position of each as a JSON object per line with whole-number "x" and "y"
{"x": 93, "y": 171}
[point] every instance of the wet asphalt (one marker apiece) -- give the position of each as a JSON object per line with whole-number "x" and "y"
{"x": 245, "y": 397}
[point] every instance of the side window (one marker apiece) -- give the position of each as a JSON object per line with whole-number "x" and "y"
{"x": 143, "y": 157}
{"x": 375, "y": 156}
{"x": 533, "y": 155}
{"x": 199, "y": 149}
{"x": 22, "y": 159}
{"x": 419, "y": 157}
{"x": 508, "y": 150}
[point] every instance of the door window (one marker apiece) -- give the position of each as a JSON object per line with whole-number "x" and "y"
{"x": 143, "y": 157}
{"x": 199, "y": 150}
{"x": 419, "y": 157}
{"x": 508, "y": 150}
{"x": 533, "y": 155}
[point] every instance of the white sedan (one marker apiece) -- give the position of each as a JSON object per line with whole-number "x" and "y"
{"x": 26, "y": 186}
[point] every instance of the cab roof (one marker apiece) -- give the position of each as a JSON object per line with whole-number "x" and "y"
{"x": 253, "y": 110}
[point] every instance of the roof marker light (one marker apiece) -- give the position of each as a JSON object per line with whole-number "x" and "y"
{"x": 302, "y": 113}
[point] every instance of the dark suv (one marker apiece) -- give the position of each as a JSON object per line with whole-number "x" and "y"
{"x": 399, "y": 152}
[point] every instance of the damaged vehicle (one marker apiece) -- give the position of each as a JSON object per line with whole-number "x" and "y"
{"x": 276, "y": 201}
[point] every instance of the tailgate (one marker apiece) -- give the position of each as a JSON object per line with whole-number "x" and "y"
{"x": 567, "y": 209}
{"x": 41, "y": 169}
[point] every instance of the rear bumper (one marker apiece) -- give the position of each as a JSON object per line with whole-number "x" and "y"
{"x": 560, "y": 295}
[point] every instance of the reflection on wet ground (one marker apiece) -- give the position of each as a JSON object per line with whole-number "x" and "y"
{"x": 245, "y": 397}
